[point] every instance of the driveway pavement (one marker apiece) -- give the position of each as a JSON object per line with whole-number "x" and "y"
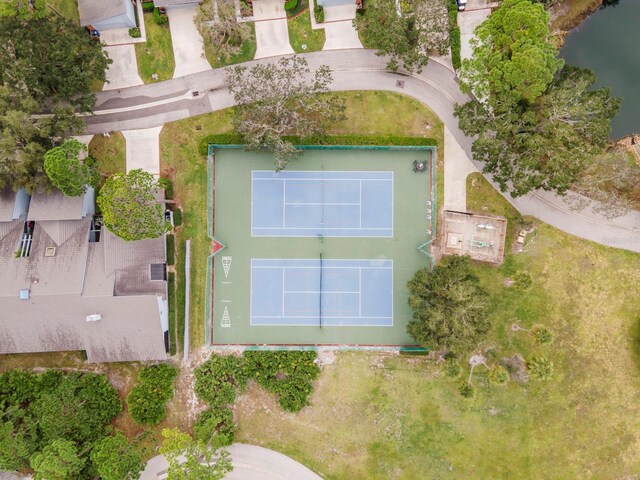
{"x": 338, "y": 26}
{"x": 249, "y": 463}
{"x": 272, "y": 32}
{"x": 358, "y": 69}
{"x": 476, "y": 12}
{"x": 188, "y": 46}
{"x": 143, "y": 149}
{"x": 457, "y": 167}
{"x": 123, "y": 72}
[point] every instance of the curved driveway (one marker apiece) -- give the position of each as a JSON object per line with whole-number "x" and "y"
{"x": 152, "y": 105}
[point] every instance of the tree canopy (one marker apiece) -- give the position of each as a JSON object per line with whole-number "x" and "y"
{"x": 46, "y": 65}
{"x": 406, "y": 37}
{"x": 450, "y": 308}
{"x": 537, "y": 123}
{"x": 115, "y": 459}
{"x": 191, "y": 460}
{"x": 276, "y": 100}
{"x": 514, "y": 58}
{"x": 221, "y": 30}
{"x": 65, "y": 169}
{"x": 57, "y": 461}
{"x": 129, "y": 205}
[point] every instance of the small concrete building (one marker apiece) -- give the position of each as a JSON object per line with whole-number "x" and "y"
{"x": 107, "y": 14}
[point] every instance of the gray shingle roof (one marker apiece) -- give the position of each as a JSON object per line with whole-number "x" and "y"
{"x": 129, "y": 330}
{"x": 92, "y": 11}
{"x": 55, "y": 206}
{"x": 7, "y": 202}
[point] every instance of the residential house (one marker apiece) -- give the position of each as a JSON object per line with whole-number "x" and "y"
{"x": 66, "y": 283}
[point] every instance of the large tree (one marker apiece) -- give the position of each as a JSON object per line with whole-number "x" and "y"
{"x": 130, "y": 205}
{"x": 514, "y": 58}
{"x": 220, "y": 29}
{"x": 450, "y": 308}
{"x": 115, "y": 459}
{"x": 58, "y": 461}
{"x": 547, "y": 144}
{"x": 191, "y": 460}
{"x": 46, "y": 64}
{"x": 286, "y": 98}
{"x": 65, "y": 169}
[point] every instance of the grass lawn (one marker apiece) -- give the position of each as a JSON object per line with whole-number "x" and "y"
{"x": 247, "y": 51}
{"x": 67, "y": 8}
{"x": 156, "y": 55}
{"x": 376, "y": 416}
{"x": 180, "y": 161}
{"x": 110, "y": 153}
{"x": 300, "y": 32}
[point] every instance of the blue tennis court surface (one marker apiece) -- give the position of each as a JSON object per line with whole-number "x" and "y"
{"x": 329, "y": 204}
{"x": 322, "y": 293}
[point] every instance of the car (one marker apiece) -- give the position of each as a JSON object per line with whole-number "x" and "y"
{"x": 461, "y": 5}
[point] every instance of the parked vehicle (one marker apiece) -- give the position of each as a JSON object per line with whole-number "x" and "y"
{"x": 461, "y": 5}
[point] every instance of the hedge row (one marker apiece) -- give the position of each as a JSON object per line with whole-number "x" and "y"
{"x": 338, "y": 140}
{"x": 147, "y": 400}
{"x": 454, "y": 34}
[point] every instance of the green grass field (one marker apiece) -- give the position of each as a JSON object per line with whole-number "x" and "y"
{"x": 301, "y": 33}
{"x": 67, "y": 8}
{"x": 181, "y": 161}
{"x": 156, "y": 54}
{"x": 376, "y": 416}
{"x": 233, "y": 214}
{"x": 109, "y": 153}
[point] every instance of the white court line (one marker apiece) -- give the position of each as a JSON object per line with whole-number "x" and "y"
{"x": 360, "y": 204}
{"x": 323, "y": 291}
{"x": 318, "y": 203}
{"x": 323, "y": 228}
{"x": 324, "y": 268}
{"x": 283, "y": 269}
{"x": 315, "y": 316}
{"x": 360, "y": 292}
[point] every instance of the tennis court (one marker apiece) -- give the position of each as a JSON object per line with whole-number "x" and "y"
{"x": 330, "y": 204}
{"x": 319, "y": 253}
{"x": 321, "y": 292}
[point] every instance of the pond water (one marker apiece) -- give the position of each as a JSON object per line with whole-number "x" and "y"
{"x": 608, "y": 42}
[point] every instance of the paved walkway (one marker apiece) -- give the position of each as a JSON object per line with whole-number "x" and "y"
{"x": 476, "y": 12}
{"x": 457, "y": 167}
{"x": 249, "y": 463}
{"x": 272, "y": 31}
{"x": 123, "y": 72}
{"x": 358, "y": 69}
{"x": 188, "y": 46}
{"x": 143, "y": 149}
{"x": 338, "y": 26}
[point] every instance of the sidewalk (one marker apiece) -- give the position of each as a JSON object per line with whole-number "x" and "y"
{"x": 457, "y": 167}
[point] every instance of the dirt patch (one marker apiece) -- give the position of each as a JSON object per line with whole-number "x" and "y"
{"x": 568, "y": 14}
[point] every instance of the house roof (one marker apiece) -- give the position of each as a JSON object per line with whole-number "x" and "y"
{"x": 93, "y": 11}
{"x": 129, "y": 328}
{"x": 55, "y": 206}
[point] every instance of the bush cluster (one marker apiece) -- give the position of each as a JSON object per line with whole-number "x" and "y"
{"x": 288, "y": 374}
{"x": 147, "y": 400}
{"x": 338, "y": 140}
{"x": 148, "y": 7}
{"x": 38, "y": 409}
{"x": 319, "y": 13}
{"x": 290, "y": 5}
{"x": 159, "y": 18}
{"x": 454, "y": 34}
{"x": 135, "y": 32}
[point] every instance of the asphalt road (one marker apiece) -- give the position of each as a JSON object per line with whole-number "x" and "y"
{"x": 155, "y": 104}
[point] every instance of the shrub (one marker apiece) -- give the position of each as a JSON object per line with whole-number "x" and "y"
{"x": 158, "y": 17}
{"x": 466, "y": 390}
{"x": 319, "y": 13}
{"x": 542, "y": 335}
{"x": 288, "y": 374}
{"x": 541, "y": 367}
{"x": 452, "y": 368}
{"x": 218, "y": 378}
{"x": 290, "y": 5}
{"x": 522, "y": 280}
{"x": 148, "y": 7}
{"x": 171, "y": 250}
{"x": 167, "y": 184}
{"x": 454, "y": 34}
{"x": 135, "y": 32}
{"x": 215, "y": 426}
{"x": 148, "y": 399}
{"x": 499, "y": 375}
